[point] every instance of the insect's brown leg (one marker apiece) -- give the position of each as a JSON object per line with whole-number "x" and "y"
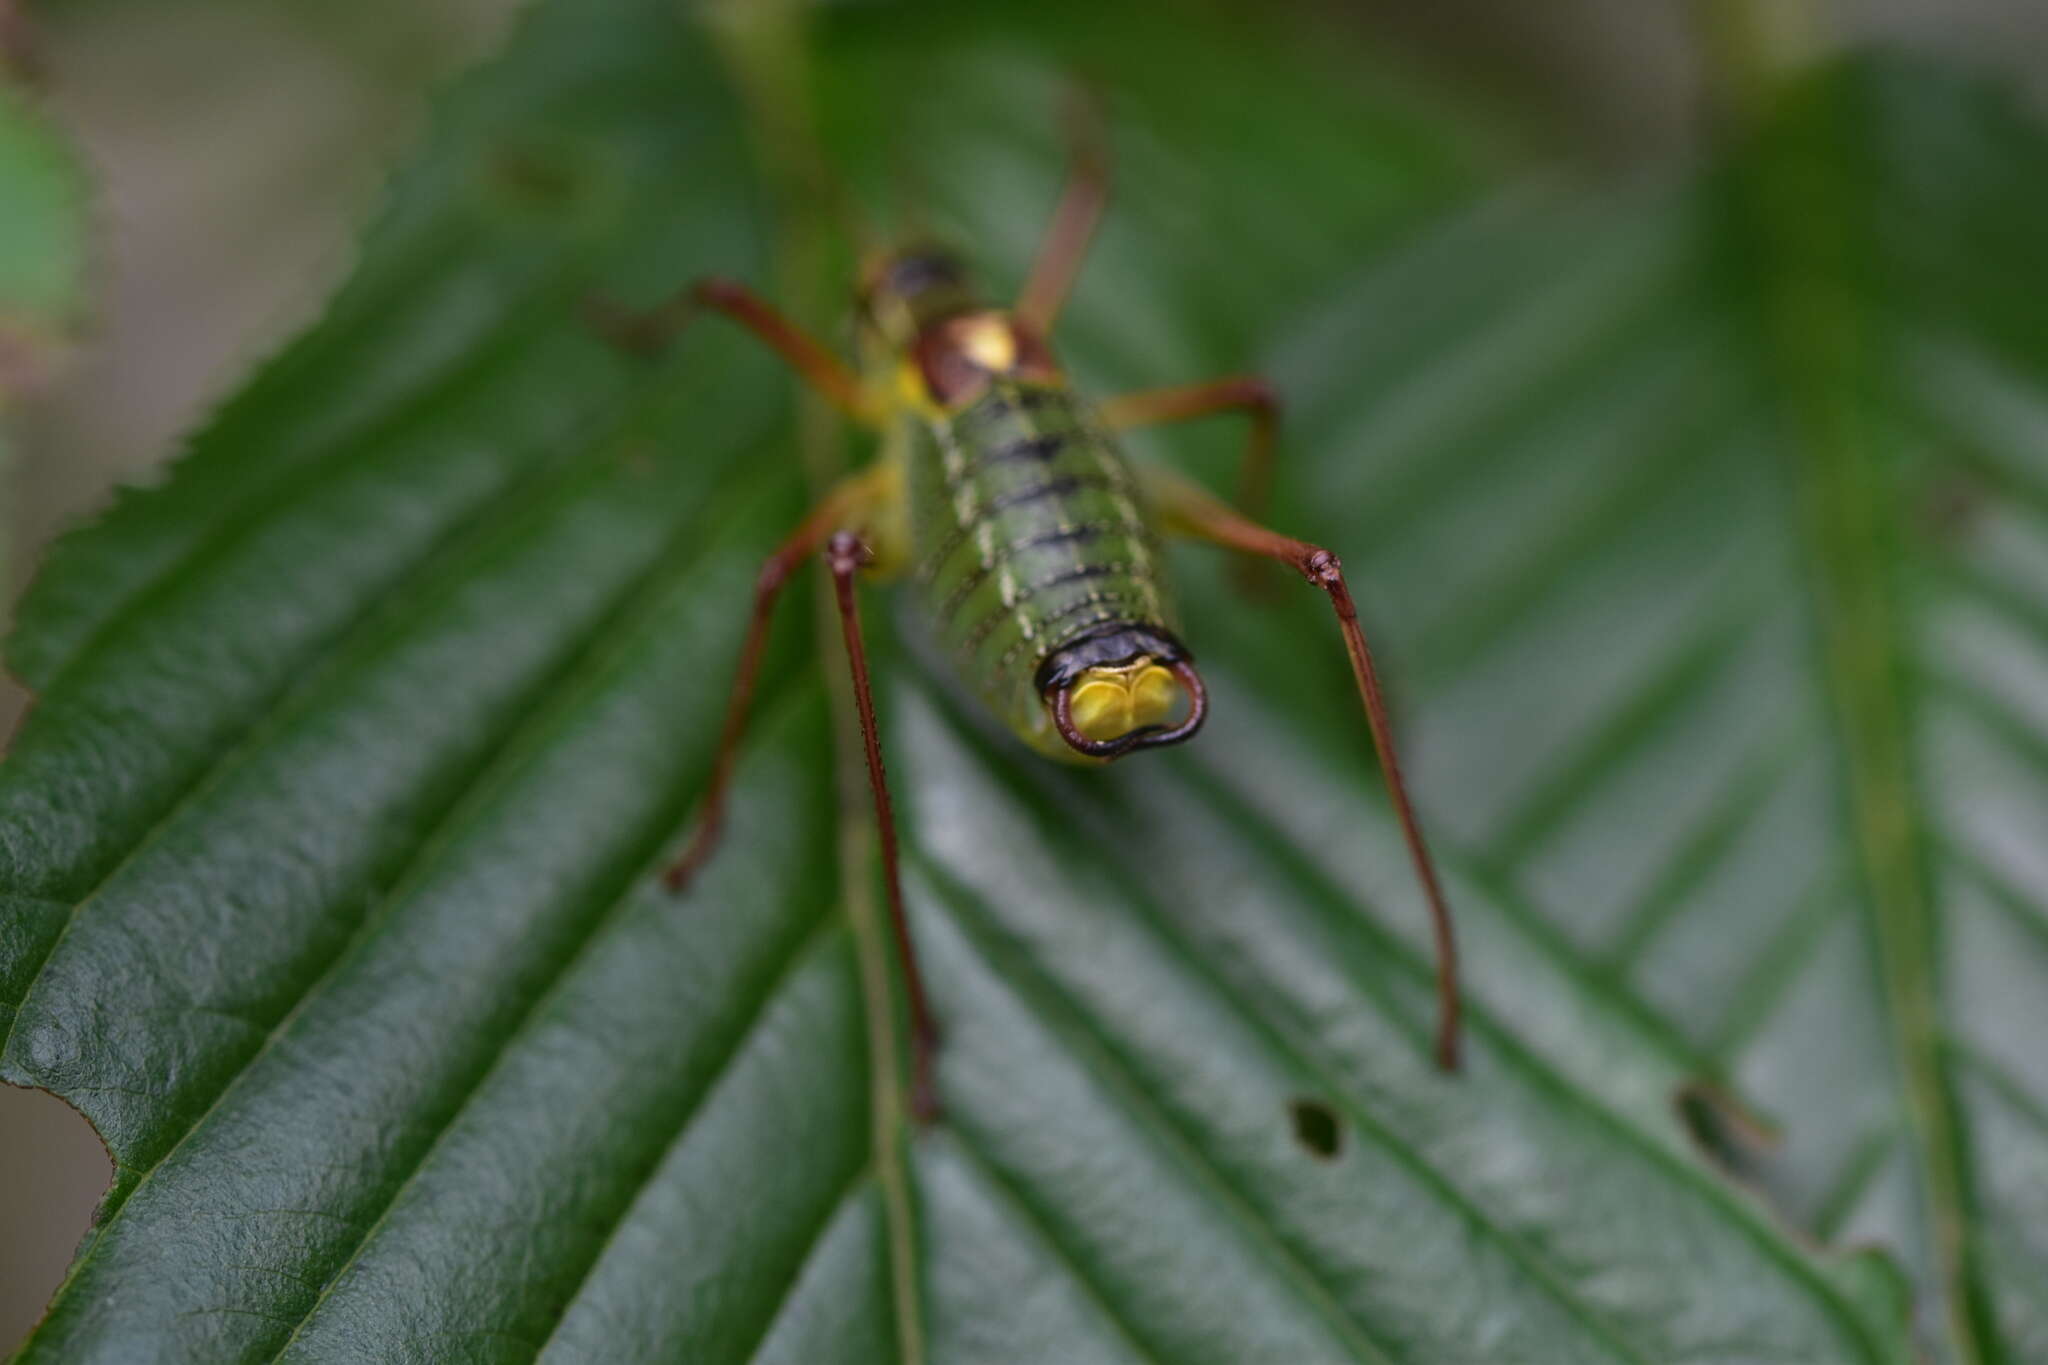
{"x": 1245, "y": 393}
{"x": 1192, "y": 510}
{"x": 645, "y": 333}
{"x": 845, "y": 554}
{"x": 1066, "y": 241}
{"x": 801, "y": 544}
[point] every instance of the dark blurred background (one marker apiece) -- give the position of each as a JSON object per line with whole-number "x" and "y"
{"x": 236, "y": 145}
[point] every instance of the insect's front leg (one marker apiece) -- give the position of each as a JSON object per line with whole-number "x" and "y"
{"x": 652, "y": 330}
{"x": 1191, "y": 510}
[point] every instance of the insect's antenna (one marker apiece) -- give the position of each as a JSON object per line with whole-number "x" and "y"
{"x": 846, "y": 207}
{"x": 1080, "y": 208}
{"x": 826, "y": 193}
{"x": 910, "y": 195}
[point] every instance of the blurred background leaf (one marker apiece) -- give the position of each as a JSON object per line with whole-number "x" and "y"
{"x": 42, "y": 239}
{"x": 42, "y": 298}
{"x": 42, "y": 246}
{"x": 1696, "y": 521}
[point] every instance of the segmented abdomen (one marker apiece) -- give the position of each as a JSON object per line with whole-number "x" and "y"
{"x": 1029, "y": 533}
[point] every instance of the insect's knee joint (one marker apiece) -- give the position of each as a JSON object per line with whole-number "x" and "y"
{"x": 846, "y": 552}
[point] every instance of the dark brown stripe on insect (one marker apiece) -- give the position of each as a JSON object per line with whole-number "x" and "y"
{"x": 1082, "y": 533}
{"x": 999, "y": 406}
{"x": 1037, "y": 449}
{"x": 1029, "y": 591}
{"x": 988, "y": 625}
{"x": 1051, "y": 488}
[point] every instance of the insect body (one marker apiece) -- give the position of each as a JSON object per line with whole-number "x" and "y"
{"x": 1039, "y": 568}
{"x": 1034, "y": 544}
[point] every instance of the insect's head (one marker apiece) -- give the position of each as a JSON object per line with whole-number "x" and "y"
{"x": 1121, "y": 689}
{"x": 906, "y": 290}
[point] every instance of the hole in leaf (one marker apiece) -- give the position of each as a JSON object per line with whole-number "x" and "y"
{"x": 1725, "y": 1131}
{"x": 1317, "y": 1128}
{"x": 53, "y": 1170}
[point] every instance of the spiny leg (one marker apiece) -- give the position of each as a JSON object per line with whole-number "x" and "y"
{"x": 1065, "y": 245}
{"x": 1245, "y": 393}
{"x": 845, "y": 554}
{"x": 644, "y": 333}
{"x": 1192, "y": 510}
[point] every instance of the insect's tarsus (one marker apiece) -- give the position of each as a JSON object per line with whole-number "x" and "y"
{"x": 1030, "y": 539}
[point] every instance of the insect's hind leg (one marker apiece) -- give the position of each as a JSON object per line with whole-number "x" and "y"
{"x": 1245, "y": 393}
{"x": 846, "y": 556}
{"x": 861, "y": 500}
{"x": 858, "y": 500}
{"x": 1193, "y": 511}
{"x": 650, "y": 331}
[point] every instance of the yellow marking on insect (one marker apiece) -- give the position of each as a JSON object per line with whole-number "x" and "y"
{"x": 954, "y": 461}
{"x": 988, "y": 340}
{"x": 1141, "y": 558}
{"x": 912, "y": 392}
{"x": 1110, "y": 702}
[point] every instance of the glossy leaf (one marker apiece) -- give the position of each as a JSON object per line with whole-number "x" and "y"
{"x": 327, "y": 856}
{"x": 1718, "y": 610}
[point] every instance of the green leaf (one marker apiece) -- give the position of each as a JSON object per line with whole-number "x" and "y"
{"x": 326, "y": 857}
{"x": 1720, "y": 620}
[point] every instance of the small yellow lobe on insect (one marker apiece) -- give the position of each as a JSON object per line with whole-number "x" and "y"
{"x": 911, "y": 391}
{"x": 1111, "y": 702}
{"x": 988, "y": 340}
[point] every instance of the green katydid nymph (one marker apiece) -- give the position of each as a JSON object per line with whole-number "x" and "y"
{"x": 1033, "y": 542}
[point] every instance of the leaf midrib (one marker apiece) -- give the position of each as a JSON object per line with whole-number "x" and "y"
{"x": 1821, "y": 340}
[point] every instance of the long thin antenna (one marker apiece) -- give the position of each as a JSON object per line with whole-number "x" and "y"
{"x": 1065, "y": 245}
